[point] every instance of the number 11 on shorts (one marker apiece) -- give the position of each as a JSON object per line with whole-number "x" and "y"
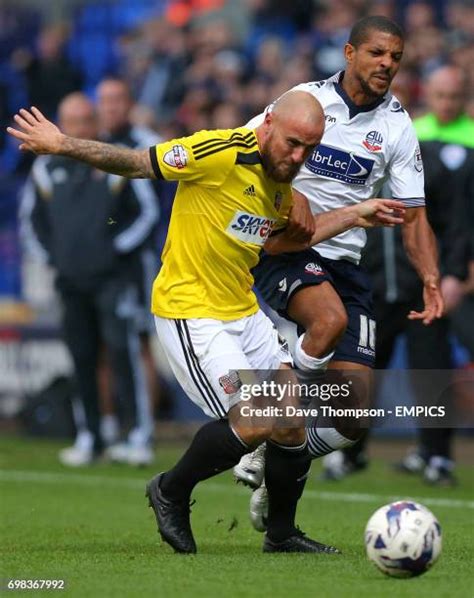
{"x": 367, "y": 332}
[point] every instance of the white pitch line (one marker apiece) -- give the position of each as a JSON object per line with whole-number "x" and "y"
{"x": 13, "y": 475}
{"x": 367, "y": 498}
{"x": 7, "y": 475}
{"x": 383, "y": 498}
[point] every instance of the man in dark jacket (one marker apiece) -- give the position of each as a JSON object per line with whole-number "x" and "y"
{"x": 114, "y": 104}
{"x": 90, "y": 226}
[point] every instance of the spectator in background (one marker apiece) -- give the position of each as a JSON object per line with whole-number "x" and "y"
{"x": 226, "y": 116}
{"x": 296, "y": 69}
{"x": 114, "y": 108}
{"x": 418, "y": 17}
{"x": 163, "y": 87}
{"x": 86, "y": 222}
{"x": 49, "y": 74}
{"x": 270, "y": 59}
{"x": 446, "y": 136}
{"x": 459, "y": 18}
{"x": 256, "y": 96}
{"x": 383, "y": 8}
{"x": 181, "y": 12}
{"x": 228, "y": 71}
{"x": 330, "y": 32}
{"x": 284, "y": 18}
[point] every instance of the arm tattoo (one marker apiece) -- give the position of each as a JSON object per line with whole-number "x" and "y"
{"x": 126, "y": 162}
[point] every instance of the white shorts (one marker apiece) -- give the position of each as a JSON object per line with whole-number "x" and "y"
{"x": 204, "y": 352}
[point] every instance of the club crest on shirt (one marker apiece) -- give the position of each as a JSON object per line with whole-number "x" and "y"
{"x": 230, "y": 382}
{"x": 373, "y": 141}
{"x": 176, "y": 157}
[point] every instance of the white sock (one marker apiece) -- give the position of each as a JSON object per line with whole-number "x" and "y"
{"x": 109, "y": 428}
{"x": 322, "y": 441}
{"x": 303, "y": 361}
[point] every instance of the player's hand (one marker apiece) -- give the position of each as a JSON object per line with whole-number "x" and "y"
{"x": 433, "y": 303}
{"x": 301, "y": 225}
{"x": 379, "y": 212}
{"x": 36, "y": 133}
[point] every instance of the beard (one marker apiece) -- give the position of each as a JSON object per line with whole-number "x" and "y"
{"x": 279, "y": 172}
{"x": 372, "y": 92}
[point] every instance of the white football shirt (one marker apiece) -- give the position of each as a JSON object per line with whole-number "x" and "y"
{"x": 362, "y": 148}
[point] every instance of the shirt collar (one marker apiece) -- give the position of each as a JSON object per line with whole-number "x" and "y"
{"x": 354, "y": 109}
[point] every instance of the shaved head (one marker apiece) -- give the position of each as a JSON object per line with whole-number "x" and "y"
{"x": 447, "y": 76}
{"x": 446, "y": 93}
{"x": 74, "y": 101}
{"x": 301, "y": 109}
{"x": 289, "y": 134}
{"x": 77, "y": 116}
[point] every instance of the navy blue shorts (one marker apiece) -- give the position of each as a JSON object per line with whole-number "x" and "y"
{"x": 279, "y": 277}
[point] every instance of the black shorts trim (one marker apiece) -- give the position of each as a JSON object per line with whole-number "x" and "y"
{"x": 195, "y": 371}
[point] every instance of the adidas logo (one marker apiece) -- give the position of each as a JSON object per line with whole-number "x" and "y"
{"x": 250, "y": 191}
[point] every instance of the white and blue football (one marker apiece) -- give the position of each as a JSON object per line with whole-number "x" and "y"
{"x": 403, "y": 539}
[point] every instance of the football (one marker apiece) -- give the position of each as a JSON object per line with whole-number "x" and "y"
{"x": 403, "y": 539}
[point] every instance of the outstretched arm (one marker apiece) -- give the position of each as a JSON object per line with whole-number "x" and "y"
{"x": 37, "y": 134}
{"x": 420, "y": 245}
{"x": 367, "y": 214}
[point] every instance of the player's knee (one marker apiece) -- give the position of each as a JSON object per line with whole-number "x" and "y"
{"x": 289, "y": 436}
{"x": 336, "y": 320}
{"x": 327, "y": 330}
{"x": 253, "y": 436}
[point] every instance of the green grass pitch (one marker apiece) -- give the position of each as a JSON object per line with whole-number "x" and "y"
{"x": 92, "y": 528}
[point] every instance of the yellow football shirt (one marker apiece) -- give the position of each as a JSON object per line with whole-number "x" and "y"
{"x": 224, "y": 210}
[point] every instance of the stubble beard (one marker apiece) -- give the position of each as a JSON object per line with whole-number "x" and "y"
{"x": 369, "y": 92}
{"x": 274, "y": 172}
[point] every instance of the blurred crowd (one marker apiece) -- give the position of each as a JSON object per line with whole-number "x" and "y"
{"x": 157, "y": 69}
{"x": 212, "y": 63}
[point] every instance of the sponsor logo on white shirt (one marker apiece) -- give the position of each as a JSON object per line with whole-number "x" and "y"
{"x": 340, "y": 165}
